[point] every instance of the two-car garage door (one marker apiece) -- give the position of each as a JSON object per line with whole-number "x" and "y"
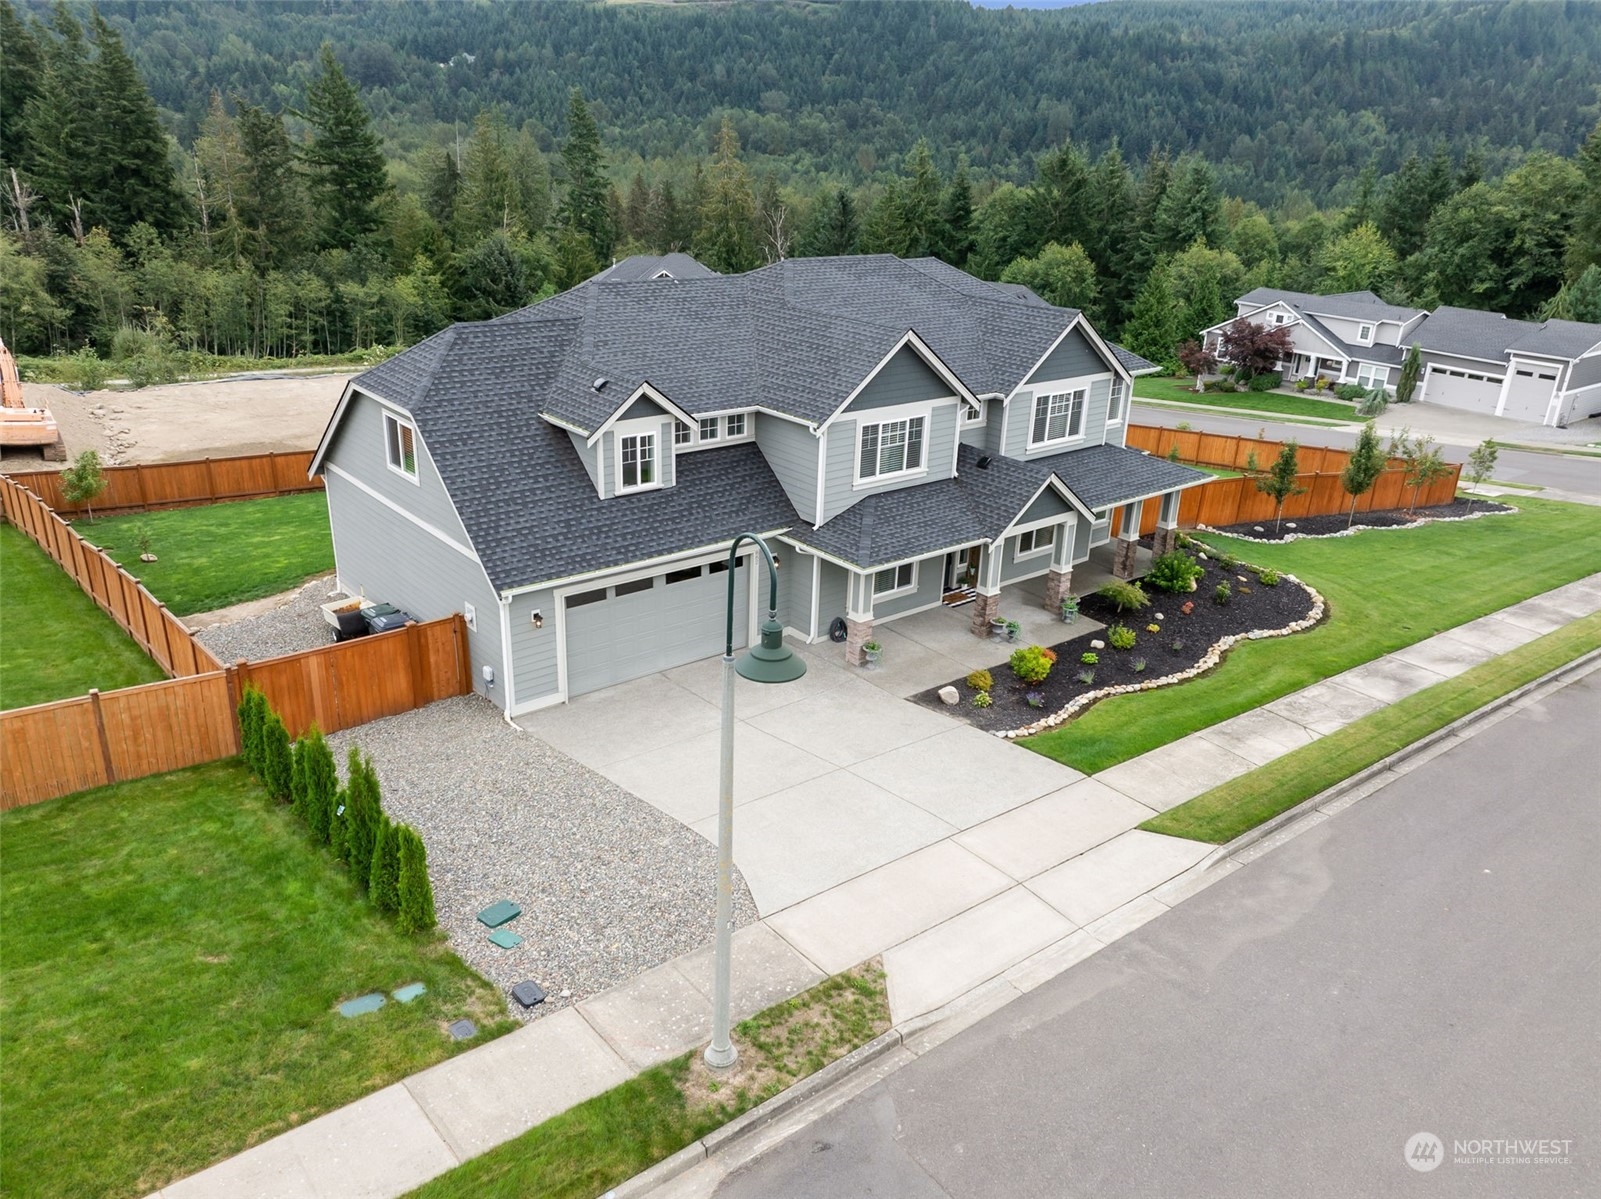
{"x": 1463, "y": 389}
{"x": 631, "y": 629}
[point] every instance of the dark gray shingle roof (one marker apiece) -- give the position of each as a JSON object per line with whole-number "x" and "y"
{"x": 648, "y": 266}
{"x": 1470, "y": 332}
{"x": 1103, "y": 475}
{"x": 1355, "y": 305}
{"x": 1559, "y": 339}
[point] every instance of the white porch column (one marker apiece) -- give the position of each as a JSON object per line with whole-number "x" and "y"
{"x": 1128, "y": 535}
{"x": 1059, "y": 578}
{"x": 858, "y": 615}
{"x": 1167, "y": 525}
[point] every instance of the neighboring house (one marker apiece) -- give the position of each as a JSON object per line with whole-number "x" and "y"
{"x": 1549, "y": 372}
{"x": 570, "y": 476}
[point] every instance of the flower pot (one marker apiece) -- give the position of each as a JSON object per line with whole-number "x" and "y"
{"x": 998, "y": 629}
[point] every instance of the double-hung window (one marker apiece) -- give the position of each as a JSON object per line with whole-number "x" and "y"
{"x": 1114, "y": 405}
{"x": 1058, "y": 416}
{"x": 892, "y": 447}
{"x": 636, "y": 461}
{"x": 400, "y": 439}
{"x": 895, "y": 579}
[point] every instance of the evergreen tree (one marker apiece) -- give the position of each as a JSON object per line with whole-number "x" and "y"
{"x": 956, "y": 218}
{"x": 1584, "y": 245}
{"x": 1407, "y": 382}
{"x": 276, "y": 757}
{"x": 1002, "y": 232}
{"x": 489, "y": 200}
{"x": 1156, "y": 322}
{"x": 134, "y": 180}
{"x": 1363, "y": 468}
{"x": 1109, "y": 231}
{"x": 575, "y": 258}
{"x": 322, "y": 784}
{"x": 344, "y": 157}
{"x": 56, "y": 148}
{"x": 364, "y": 812}
{"x": 1145, "y": 250}
{"x": 883, "y": 230}
{"x": 297, "y": 776}
{"x": 727, "y": 240}
{"x": 489, "y": 279}
{"x": 383, "y": 875}
{"x": 271, "y": 205}
{"x": 585, "y": 207}
{"x": 531, "y": 175}
{"x": 1061, "y": 196}
{"x": 922, "y": 231}
{"x": 1363, "y": 209}
{"x": 20, "y": 82}
{"x": 834, "y": 228}
{"x": 416, "y": 893}
{"x": 672, "y": 224}
{"x": 252, "y": 713}
{"x": 1577, "y": 301}
{"x": 636, "y": 211}
{"x": 1190, "y": 208}
{"x": 441, "y": 186}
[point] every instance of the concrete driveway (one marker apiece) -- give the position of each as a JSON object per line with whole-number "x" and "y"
{"x": 834, "y": 776}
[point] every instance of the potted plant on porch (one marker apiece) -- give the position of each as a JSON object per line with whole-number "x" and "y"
{"x": 871, "y": 652}
{"x": 1069, "y": 609}
{"x": 1014, "y": 630}
{"x": 998, "y": 628}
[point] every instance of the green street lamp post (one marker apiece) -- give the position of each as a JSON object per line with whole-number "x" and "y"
{"x": 771, "y": 661}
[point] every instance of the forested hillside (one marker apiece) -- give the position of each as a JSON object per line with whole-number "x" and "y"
{"x": 257, "y": 191}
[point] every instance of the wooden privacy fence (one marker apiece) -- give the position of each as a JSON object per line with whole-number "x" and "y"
{"x": 179, "y": 484}
{"x": 142, "y": 616}
{"x": 58, "y": 748}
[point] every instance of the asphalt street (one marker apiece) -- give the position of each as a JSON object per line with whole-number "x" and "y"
{"x": 1567, "y": 472}
{"x": 1427, "y": 961}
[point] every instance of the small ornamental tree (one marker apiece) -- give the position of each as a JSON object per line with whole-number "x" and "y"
{"x": 416, "y": 912}
{"x": 82, "y": 482}
{"x": 363, "y": 811}
{"x": 1254, "y": 349}
{"x": 277, "y": 762}
{"x": 1196, "y": 360}
{"x": 252, "y": 715}
{"x": 1279, "y": 482}
{"x": 297, "y": 775}
{"x": 1481, "y": 465}
{"x": 1422, "y": 460}
{"x": 322, "y": 783}
{"x": 1411, "y": 368}
{"x": 1366, "y": 464}
{"x": 383, "y": 875}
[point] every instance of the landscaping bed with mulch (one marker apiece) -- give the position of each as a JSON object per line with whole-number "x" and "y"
{"x": 1183, "y": 645}
{"x": 1336, "y": 526}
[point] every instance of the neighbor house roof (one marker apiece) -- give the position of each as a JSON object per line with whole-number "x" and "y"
{"x": 652, "y": 266}
{"x": 1559, "y": 339}
{"x": 1354, "y": 305}
{"x": 1471, "y": 333}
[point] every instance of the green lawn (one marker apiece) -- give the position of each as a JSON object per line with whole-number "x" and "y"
{"x": 171, "y": 954}
{"x": 222, "y": 554}
{"x": 56, "y": 642}
{"x": 1385, "y": 590}
{"x": 1225, "y": 812}
{"x": 1177, "y": 391}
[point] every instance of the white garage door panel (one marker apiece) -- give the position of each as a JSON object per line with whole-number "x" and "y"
{"x": 1457, "y": 389}
{"x": 1529, "y": 396}
{"x": 625, "y": 636}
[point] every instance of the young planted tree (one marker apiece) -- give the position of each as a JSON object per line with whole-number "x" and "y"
{"x": 276, "y": 757}
{"x": 1254, "y": 349}
{"x": 1481, "y": 465}
{"x": 1280, "y": 480}
{"x": 383, "y": 876}
{"x": 1364, "y": 468}
{"x": 252, "y": 715}
{"x": 322, "y": 783}
{"x": 83, "y": 481}
{"x": 363, "y": 813}
{"x": 297, "y": 775}
{"x": 1196, "y": 360}
{"x": 1411, "y": 368}
{"x": 1422, "y": 460}
{"x": 416, "y": 893}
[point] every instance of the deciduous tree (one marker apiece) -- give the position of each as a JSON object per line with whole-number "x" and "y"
{"x": 1280, "y": 481}
{"x": 1363, "y": 468}
{"x": 1253, "y": 348}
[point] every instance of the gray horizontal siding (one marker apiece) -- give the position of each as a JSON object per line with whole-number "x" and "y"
{"x": 831, "y": 592}
{"x": 1013, "y": 567}
{"x": 839, "y": 491}
{"x": 664, "y": 456}
{"x": 794, "y": 587}
{"x": 383, "y": 556}
{"x": 589, "y": 455}
{"x": 930, "y": 584}
{"x": 1073, "y": 356}
{"x": 791, "y": 451}
{"x": 1586, "y": 371}
{"x": 533, "y": 650}
{"x": 1047, "y": 505}
{"x": 358, "y": 448}
{"x": 904, "y": 379}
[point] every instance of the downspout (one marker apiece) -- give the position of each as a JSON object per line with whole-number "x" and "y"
{"x": 506, "y": 659}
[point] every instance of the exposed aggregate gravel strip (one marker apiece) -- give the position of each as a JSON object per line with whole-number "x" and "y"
{"x": 609, "y": 886}
{"x": 297, "y": 625}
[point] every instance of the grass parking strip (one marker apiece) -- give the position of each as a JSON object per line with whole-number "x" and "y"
{"x": 608, "y": 1139}
{"x": 1225, "y": 812}
{"x": 1177, "y": 391}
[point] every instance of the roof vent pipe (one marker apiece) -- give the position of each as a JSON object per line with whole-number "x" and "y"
{"x": 599, "y": 384}
{"x": 983, "y": 462}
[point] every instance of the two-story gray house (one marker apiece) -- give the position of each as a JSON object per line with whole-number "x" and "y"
{"x": 569, "y": 476}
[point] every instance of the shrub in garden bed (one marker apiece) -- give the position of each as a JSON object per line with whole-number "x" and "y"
{"x": 1030, "y": 664}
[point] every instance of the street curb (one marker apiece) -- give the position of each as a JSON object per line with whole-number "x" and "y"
{"x": 758, "y": 1117}
{"x": 1355, "y": 782}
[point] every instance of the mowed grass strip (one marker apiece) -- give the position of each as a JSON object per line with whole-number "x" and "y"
{"x": 1385, "y": 589}
{"x": 608, "y": 1139}
{"x": 172, "y": 951}
{"x": 56, "y": 642}
{"x": 1177, "y": 391}
{"x": 217, "y": 555}
{"x": 1225, "y": 812}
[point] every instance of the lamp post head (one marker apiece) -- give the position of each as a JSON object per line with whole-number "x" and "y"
{"x": 771, "y": 661}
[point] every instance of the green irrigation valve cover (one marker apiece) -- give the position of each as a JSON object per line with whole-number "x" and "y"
{"x": 505, "y": 938}
{"x": 361, "y": 1005}
{"x": 497, "y": 914}
{"x": 408, "y": 992}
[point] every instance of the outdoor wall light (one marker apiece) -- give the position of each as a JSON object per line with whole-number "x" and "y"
{"x": 538, "y": 620}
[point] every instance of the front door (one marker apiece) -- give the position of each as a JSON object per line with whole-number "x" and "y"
{"x": 961, "y": 568}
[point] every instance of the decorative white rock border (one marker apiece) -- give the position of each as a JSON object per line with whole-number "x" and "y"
{"x": 1355, "y": 529}
{"x": 1211, "y": 658}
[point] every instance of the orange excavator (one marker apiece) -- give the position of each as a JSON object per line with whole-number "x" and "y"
{"x": 20, "y": 424}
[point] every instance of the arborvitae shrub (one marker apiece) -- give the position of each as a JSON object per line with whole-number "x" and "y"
{"x": 383, "y": 877}
{"x": 363, "y": 811}
{"x": 322, "y": 783}
{"x": 252, "y": 715}
{"x": 297, "y": 776}
{"x": 416, "y": 893}
{"x": 276, "y": 762}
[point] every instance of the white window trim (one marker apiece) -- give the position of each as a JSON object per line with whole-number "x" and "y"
{"x": 968, "y": 421}
{"x": 893, "y": 592}
{"x": 745, "y": 429}
{"x": 689, "y": 441}
{"x": 1037, "y": 550}
{"x": 651, "y": 428}
{"x": 1364, "y": 333}
{"x": 1124, "y": 398}
{"x": 413, "y": 476}
{"x": 716, "y": 423}
{"x": 883, "y": 416}
{"x": 1054, "y": 389}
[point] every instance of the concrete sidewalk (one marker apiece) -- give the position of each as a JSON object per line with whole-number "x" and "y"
{"x": 1008, "y": 900}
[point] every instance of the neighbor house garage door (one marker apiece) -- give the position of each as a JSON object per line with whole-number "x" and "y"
{"x": 1463, "y": 389}
{"x": 1530, "y": 393}
{"x": 632, "y": 629}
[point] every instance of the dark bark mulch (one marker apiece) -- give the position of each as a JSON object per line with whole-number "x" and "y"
{"x": 1387, "y": 518}
{"x": 1252, "y": 607}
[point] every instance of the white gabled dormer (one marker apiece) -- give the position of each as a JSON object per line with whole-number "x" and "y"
{"x": 632, "y": 450}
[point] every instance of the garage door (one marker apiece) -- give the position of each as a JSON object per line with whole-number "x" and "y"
{"x": 1530, "y": 394}
{"x": 632, "y": 629}
{"x": 1463, "y": 389}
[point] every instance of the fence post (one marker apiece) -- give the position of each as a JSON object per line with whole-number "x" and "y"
{"x": 231, "y": 677}
{"x": 139, "y": 483}
{"x": 464, "y": 662}
{"x": 100, "y": 728}
{"x": 419, "y": 664}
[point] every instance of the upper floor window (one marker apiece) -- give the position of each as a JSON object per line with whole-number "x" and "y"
{"x": 1279, "y": 318}
{"x": 400, "y": 438}
{"x": 683, "y": 434}
{"x": 734, "y": 425}
{"x": 1114, "y": 404}
{"x": 708, "y": 428}
{"x": 892, "y": 447}
{"x": 974, "y": 416}
{"x": 636, "y": 462}
{"x": 1365, "y": 334}
{"x": 1057, "y": 417}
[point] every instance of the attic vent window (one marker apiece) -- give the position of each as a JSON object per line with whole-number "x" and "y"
{"x": 599, "y": 384}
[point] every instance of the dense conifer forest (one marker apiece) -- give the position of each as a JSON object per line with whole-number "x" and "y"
{"x": 281, "y": 179}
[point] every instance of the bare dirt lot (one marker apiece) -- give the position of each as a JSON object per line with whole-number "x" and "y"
{"x": 186, "y": 420}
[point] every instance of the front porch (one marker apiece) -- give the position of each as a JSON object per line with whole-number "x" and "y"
{"x": 924, "y": 649}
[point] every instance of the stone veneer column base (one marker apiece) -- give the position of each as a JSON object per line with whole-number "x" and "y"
{"x": 1058, "y": 586}
{"x": 985, "y": 609}
{"x": 857, "y": 634}
{"x": 1123, "y": 557}
{"x": 1164, "y": 541}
